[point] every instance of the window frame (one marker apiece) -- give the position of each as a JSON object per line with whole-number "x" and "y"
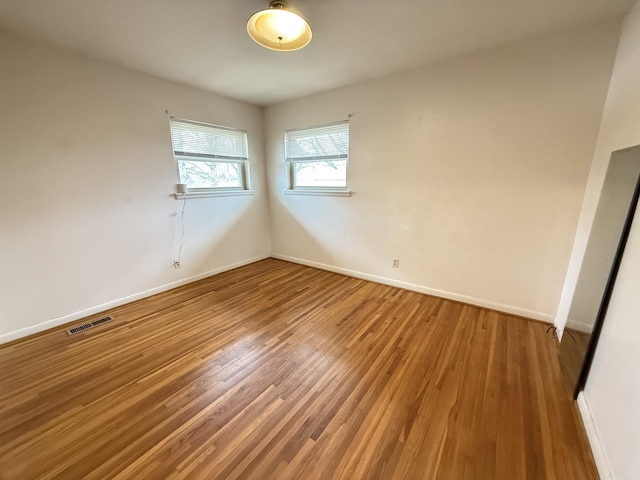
{"x": 291, "y": 162}
{"x": 241, "y": 161}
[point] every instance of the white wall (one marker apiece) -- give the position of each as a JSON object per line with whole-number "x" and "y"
{"x": 612, "y": 392}
{"x": 471, "y": 171}
{"x": 86, "y": 176}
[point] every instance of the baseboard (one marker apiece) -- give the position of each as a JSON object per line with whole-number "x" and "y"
{"x": 580, "y": 327}
{"x": 602, "y": 463}
{"x": 544, "y": 317}
{"x": 40, "y": 327}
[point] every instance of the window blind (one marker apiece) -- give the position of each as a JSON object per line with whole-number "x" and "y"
{"x": 330, "y": 142}
{"x": 199, "y": 141}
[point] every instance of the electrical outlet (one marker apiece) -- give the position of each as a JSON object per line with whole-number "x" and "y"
{"x": 176, "y": 264}
{"x": 395, "y": 263}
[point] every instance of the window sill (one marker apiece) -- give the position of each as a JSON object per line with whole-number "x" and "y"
{"x": 221, "y": 193}
{"x": 328, "y": 193}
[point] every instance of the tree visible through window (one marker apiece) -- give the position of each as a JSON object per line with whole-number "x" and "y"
{"x": 210, "y": 157}
{"x": 317, "y": 157}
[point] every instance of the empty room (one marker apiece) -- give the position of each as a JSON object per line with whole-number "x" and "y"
{"x": 343, "y": 239}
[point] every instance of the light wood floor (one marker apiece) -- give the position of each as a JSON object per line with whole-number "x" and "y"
{"x": 279, "y": 371}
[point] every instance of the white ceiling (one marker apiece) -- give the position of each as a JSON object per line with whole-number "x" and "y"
{"x": 203, "y": 43}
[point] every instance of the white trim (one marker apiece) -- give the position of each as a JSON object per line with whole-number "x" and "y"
{"x": 329, "y": 193}
{"x": 523, "y": 312}
{"x": 602, "y": 462}
{"x": 23, "y": 332}
{"x": 14, "y": 335}
{"x": 221, "y": 193}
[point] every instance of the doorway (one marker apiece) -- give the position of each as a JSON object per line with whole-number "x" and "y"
{"x": 607, "y": 240}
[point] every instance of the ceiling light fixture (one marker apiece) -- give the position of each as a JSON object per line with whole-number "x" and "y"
{"x": 278, "y": 28}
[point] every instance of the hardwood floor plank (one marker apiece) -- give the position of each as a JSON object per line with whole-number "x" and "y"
{"x": 280, "y": 371}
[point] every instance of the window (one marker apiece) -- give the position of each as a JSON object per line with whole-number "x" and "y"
{"x": 210, "y": 158}
{"x": 317, "y": 158}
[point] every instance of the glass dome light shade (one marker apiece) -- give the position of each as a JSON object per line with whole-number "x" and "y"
{"x": 279, "y": 29}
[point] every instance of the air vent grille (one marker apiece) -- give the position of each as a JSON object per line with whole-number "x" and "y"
{"x": 88, "y": 325}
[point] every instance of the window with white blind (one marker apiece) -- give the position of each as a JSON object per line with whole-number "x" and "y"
{"x": 210, "y": 158}
{"x": 317, "y": 158}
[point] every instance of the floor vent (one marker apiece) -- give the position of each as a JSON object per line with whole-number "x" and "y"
{"x": 88, "y": 325}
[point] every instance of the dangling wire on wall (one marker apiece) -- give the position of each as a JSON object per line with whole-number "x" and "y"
{"x": 177, "y": 262}
{"x": 184, "y": 203}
